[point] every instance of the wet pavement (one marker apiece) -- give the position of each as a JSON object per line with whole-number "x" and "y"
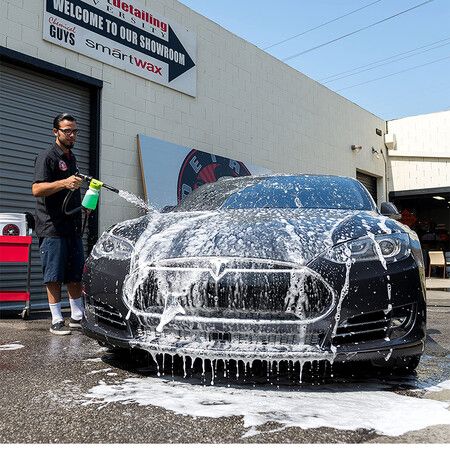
{"x": 68, "y": 389}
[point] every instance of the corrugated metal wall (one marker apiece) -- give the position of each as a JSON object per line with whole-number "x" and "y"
{"x": 370, "y": 183}
{"x": 28, "y": 103}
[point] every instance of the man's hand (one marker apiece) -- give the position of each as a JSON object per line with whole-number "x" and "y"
{"x": 44, "y": 189}
{"x": 73, "y": 182}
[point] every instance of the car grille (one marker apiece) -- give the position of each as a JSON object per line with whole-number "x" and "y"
{"x": 282, "y": 339}
{"x": 381, "y": 324}
{"x": 108, "y": 314}
{"x": 242, "y": 290}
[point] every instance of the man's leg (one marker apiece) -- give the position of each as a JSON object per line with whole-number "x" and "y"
{"x": 73, "y": 275}
{"x": 54, "y": 302}
{"x": 74, "y": 289}
{"x": 52, "y": 255}
{"x": 76, "y": 304}
{"x": 53, "y": 293}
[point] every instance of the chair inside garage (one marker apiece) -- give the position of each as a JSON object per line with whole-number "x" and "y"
{"x": 437, "y": 259}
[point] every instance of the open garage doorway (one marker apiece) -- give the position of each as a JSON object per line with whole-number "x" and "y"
{"x": 427, "y": 212}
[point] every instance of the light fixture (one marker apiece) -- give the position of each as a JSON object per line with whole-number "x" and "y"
{"x": 376, "y": 153}
{"x": 356, "y": 148}
{"x": 438, "y": 197}
{"x": 378, "y": 131}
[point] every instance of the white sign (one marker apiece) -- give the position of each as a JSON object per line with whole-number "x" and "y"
{"x": 126, "y": 35}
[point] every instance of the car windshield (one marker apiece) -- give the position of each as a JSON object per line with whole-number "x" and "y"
{"x": 285, "y": 192}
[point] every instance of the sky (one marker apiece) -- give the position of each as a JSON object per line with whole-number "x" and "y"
{"x": 411, "y": 50}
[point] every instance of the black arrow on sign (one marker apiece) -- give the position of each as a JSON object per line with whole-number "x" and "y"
{"x": 175, "y": 68}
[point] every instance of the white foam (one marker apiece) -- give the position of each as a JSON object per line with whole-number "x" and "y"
{"x": 8, "y": 347}
{"x": 445, "y": 385}
{"x": 338, "y": 407}
{"x": 92, "y": 372}
{"x": 131, "y": 198}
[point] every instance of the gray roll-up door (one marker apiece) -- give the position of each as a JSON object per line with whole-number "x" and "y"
{"x": 369, "y": 182}
{"x": 28, "y": 103}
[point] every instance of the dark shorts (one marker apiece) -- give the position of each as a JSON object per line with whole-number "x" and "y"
{"x": 62, "y": 259}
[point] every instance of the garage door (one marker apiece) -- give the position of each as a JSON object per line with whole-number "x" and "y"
{"x": 28, "y": 103}
{"x": 369, "y": 182}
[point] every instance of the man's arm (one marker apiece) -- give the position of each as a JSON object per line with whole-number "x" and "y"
{"x": 44, "y": 188}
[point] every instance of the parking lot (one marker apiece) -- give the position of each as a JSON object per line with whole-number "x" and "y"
{"x": 70, "y": 390}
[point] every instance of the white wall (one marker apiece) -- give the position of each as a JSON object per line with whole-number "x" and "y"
{"x": 249, "y": 106}
{"x": 422, "y": 157}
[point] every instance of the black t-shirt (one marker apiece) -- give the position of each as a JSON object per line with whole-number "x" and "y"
{"x": 52, "y": 165}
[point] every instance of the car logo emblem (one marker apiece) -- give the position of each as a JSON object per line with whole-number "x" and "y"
{"x": 217, "y": 269}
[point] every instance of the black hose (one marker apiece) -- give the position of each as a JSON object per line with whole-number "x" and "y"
{"x": 66, "y": 202}
{"x": 79, "y": 208}
{"x": 75, "y": 210}
{"x": 86, "y": 216}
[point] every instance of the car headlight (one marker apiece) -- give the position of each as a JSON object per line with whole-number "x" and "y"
{"x": 387, "y": 248}
{"x": 110, "y": 246}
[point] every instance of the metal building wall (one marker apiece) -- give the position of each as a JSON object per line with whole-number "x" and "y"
{"x": 28, "y": 103}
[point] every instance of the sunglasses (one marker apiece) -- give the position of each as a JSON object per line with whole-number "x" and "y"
{"x": 68, "y": 131}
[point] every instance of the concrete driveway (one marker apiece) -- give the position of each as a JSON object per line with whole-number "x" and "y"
{"x": 70, "y": 390}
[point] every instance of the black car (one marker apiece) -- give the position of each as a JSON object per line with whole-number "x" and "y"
{"x": 270, "y": 268}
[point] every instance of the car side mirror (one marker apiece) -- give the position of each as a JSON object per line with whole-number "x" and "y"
{"x": 390, "y": 210}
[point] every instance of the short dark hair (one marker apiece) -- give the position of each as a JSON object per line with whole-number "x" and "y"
{"x": 63, "y": 116}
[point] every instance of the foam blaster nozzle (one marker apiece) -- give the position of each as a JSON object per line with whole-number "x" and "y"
{"x": 99, "y": 183}
{"x": 110, "y": 188}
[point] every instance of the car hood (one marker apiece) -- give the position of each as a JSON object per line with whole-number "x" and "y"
{"x": 292, "y": 235}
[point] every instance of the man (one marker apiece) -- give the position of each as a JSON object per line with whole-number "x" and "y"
{"x": 59, "y": 234}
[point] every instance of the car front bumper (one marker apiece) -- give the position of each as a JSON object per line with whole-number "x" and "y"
{"x": 374, "y": 303}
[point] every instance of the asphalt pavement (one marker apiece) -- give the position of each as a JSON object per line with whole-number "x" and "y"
{"x": 53, "y": 391}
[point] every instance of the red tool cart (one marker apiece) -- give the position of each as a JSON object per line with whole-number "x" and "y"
{"x": 17, "y": 249}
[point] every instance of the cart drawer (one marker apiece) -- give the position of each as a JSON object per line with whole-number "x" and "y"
{"x": 14, "y": 248}
{"x": 14, "y": 296}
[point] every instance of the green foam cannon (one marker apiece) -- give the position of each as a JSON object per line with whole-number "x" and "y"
{"x": 90, "y": 199}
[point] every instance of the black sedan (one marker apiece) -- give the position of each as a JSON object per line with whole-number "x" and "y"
{"x": 298, "y": 268}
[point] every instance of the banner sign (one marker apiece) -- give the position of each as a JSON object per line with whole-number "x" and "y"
{"x": 171, "y": 171}
{"x": 126, "y": 35}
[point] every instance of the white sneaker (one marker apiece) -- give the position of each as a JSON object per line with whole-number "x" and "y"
{"x": 60, "y": 329}
{"x": 74, "y": 323}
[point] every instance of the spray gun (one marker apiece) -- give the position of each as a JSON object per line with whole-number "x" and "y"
{"x": 90, "y": 179}
{"x": 90, "y": 199}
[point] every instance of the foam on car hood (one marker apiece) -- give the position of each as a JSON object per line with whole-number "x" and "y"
{"x": 296, "y": 236}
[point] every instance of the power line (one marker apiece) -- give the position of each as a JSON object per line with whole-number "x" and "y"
{"x": 327, "y": 79}
{"x": 320, "y": 26}
{"x": 356, "y": 31}
{"x": 384, "y": 64}
{"x": 392, "y": 74}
